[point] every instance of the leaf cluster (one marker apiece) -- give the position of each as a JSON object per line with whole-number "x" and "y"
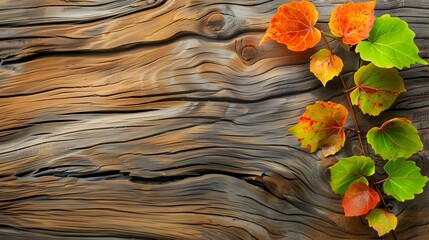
{"x": 387, "y": 45}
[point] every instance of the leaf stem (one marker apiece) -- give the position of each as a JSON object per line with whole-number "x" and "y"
{"x": 352, "y": 129}
{"x": 331, "y": 36}
{"x": 348, "y": 100}
{"x": 379, "y": 182}
{"x": 350, "y": 89}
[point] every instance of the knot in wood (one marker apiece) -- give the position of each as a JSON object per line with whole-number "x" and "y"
{"x": 215, "y": 22}
{"x": 249, "y": 52}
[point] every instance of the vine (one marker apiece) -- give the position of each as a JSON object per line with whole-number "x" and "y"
{"x": 385, "y": 44}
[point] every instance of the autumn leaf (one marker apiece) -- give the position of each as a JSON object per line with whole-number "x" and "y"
{"x": 359, "y": 199}
{"x": 350, "y": 170}
{"x": 321, "y": 126}
{"x": 325, "y": 65}
{"x": 390, "y": 44}
{"x": 404, "y": 179}
{"x": 377, "y": 88}
{"x": 382, "y": 221}
{"x": 352, "y": 21}
{"x": 293, "y": 25}
{"x": 396, "y": 138}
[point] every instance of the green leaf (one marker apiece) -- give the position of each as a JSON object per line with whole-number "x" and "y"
{"x": 404, "y": 179}
{"x": 377, "y": 88}
{"x": 382, "y": 221}
{"x": 390, "y": 44}
{"x": 350, "y": 170}
{"x": 396, "y": 138}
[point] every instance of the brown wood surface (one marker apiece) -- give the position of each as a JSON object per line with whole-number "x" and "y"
{"x": 163, "y": 119}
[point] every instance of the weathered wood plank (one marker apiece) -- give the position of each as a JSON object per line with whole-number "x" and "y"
{"x": 165, "y": 120}
{"x": 218, "y": 20}
{"x": 169, "y": 205}
{"x": 29, "y": 13}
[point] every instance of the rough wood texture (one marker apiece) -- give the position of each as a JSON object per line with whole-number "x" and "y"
{"x": 152, "y": 119}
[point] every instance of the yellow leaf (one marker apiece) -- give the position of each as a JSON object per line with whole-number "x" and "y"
{"x": 325, "y": 65}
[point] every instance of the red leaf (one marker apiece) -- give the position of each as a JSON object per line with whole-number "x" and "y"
{"x": 293, "y": 25}
{"x": 352, "y": 21}
{"x": 359, "y": 199}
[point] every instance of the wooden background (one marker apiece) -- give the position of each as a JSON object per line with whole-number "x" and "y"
{"x": 152, "y": 119}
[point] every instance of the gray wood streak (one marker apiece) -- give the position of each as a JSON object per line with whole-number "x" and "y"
{"x": 165, "y": 120}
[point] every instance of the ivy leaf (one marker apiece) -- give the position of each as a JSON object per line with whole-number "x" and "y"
{"x": 325, "y": 65}
{"x": 352, "y": 21}
{"x": 377, "y": 88}
{"x": 321, "y": 126}
{"x": 390, "y": 44}
{"x": 359, "y": 199}
{"x": 382, "y": 221}
{"x": 293, "y": 25}
{"x": 404, "y": 179}
{"x": 350, "y": 170}
{"x": 396, "y": 138}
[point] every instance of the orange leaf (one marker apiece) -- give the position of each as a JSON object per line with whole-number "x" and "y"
{"x": 352, "y": 21}
{"x": 359, "y": 199}
{"x": 321, "y": 126}
{"x": 293, "y": 25}
{"x": 325, "y": 65}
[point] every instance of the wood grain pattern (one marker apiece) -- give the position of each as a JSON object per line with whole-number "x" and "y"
{"x": 164, "y": 120}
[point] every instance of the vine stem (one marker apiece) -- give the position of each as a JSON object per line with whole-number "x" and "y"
{"x": 348, "y": 100}
{"x": 357, "y": 130}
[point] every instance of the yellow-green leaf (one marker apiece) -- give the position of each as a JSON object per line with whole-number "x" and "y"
{"x": 377, "y": 88}
{"x": 396, "y": 138}
{"x": 321, "y": 126}
{"x": 382, "y": 221}
{"x": 325, "y": 65}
